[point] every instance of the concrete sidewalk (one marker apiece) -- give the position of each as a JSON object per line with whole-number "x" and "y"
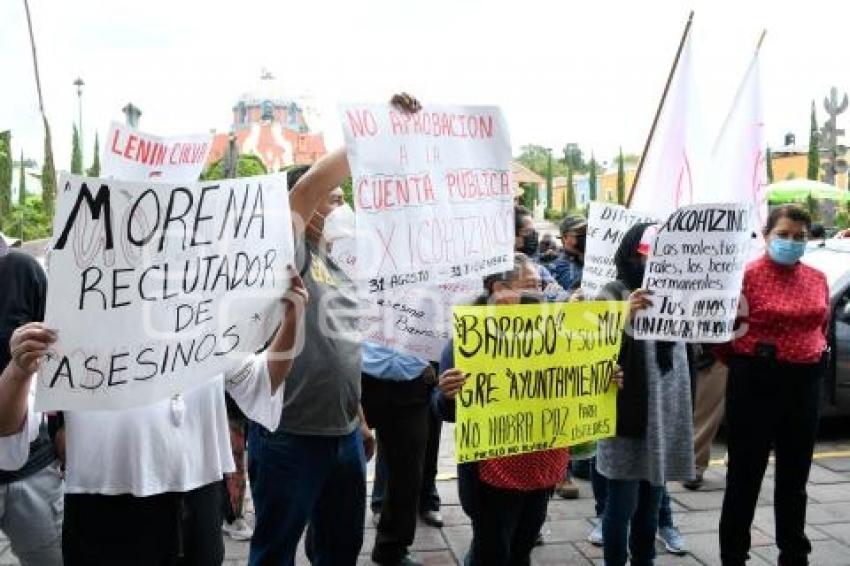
{"x": 697, "y": 514}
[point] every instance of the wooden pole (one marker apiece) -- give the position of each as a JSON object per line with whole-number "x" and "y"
{"x": 34, "y": 59}
{"x": 660, "y": 106}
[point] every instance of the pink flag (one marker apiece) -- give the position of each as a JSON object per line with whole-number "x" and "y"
{"x": 667, "y": 176}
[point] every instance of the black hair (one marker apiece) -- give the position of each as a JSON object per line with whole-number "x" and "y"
{"x": 520, "y": 212}
{"x": 817, "y": 231}
{"x": 792, "y": 212}
{"x": 294, "y": 174}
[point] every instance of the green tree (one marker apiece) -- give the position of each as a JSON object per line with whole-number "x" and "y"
{"x": 348, "y": 191}
{"x": 768, "y": 159}
{"x": 22, "y": 183}
{"x": 814, "y": 151}
{"x": 48, "y": 175}
{"x": 6, "y": 172}
{"x": 76, "y": 153}
{"x": 28, "y": 221}
{"x": 94, "y": 170}
{"x": 571, "y": 191}
{"x": 592, "y": 180}
{"x": 248, "y": 165}
{"x": 536, "y": 158}
{"x": 621, "y": 179}
{"x": 529, "y": 195}
{"x": 574, "y": 159}
{"x": 549, "y": 203}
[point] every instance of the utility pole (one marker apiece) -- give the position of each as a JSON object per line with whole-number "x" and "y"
{"x": 79, "y": 84}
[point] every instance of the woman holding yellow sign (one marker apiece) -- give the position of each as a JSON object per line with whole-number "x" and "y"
{"x": 506, "y": 498}
{"x": 654, "y": 441}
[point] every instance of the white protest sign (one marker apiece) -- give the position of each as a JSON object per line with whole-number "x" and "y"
{"x": 131, "y": 154}
{"x": 695, "y": 271}
{"x": 415, "y": 320}
{"x": 157, "y": 288}
{"x": 432, "y": 192}
{"x": 606, "y": 225}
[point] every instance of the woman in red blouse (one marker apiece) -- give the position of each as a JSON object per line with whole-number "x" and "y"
{"x": 506, "y": 498}
{"x": 772, "y": 398}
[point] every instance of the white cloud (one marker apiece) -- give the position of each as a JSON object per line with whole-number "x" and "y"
{"x": 589, "y": 72}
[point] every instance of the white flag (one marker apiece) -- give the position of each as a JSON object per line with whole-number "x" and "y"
{"x": 667, "y": 177}
{"x": 738, "y": 172}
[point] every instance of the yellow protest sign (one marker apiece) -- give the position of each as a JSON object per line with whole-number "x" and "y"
{"x": 540, "y": 376}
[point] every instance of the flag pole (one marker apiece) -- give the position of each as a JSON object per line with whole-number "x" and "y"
{"x": 660, "y": 106}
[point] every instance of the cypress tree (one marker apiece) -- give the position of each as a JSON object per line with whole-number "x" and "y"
{"x": 621, "y": 179}
{"x": 768, "y": 158}
{"x": 76, "y": 153}
{"x": 591, "y": 184}
{"x": 94, "y": 170}
{"x": 814, "y": 153}
{"x": 22, "y": 183}
{"x": 6, "y": 173}
{"x": 571, "y": 191}
{"x": 48, "y": 175}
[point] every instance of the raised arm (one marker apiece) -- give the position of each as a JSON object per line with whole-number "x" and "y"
{"x": 314, "y": 186}
{"x": 28, "y": 345}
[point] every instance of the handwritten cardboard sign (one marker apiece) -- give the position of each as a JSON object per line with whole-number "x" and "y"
{"x": 132, "y": 154}
{"x": 416, "y": 320}
{"x": 432, "y": 193}
{"x": 695, "y": 271}
{"x": 539, "y": 376}
{"x": 606, "y": 225}
{"x": 156, "y": 288}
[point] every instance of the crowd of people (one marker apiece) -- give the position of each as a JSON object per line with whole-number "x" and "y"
{"x": 154, "y": 485}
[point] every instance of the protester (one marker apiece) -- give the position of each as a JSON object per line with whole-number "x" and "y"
{"x": 548, "y": 250}
{"x": 30, "y": 479}
{"x": 506, "y": 498}
{"x": 312, "y": 468}
{"x": 429, "y": 497}
{"x": 567, "y": 269}
{"x": 396, "y": 403}
{"x": 235, "y": 484}
{"x": 525, "y": 242}
{"x": 144, "y": 485}
{"x": 654, "y": 436}
{"x": 776, "y": 365}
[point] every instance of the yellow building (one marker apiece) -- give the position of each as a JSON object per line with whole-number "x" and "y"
{"x": 792, "y": 162}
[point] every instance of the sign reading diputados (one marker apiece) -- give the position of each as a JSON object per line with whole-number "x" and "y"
{"x": 695, "y": 272}
{"x": 539, "y": 376}
{"x": 606, "y": 225}
{"x": 432, "y": 193}
{"x": 162, "y": 287}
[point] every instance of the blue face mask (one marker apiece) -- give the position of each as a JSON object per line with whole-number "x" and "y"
{"x": 785, "y": 251}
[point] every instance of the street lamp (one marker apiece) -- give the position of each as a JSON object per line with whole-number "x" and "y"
{"x": 79, "y": 84}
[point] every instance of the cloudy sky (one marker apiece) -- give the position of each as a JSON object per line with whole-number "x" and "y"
{"x": 589, "y": 72}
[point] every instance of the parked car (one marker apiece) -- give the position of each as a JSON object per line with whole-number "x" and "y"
{"x": 833, "y": 258}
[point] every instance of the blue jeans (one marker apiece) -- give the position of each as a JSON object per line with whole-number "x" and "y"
{"x": 600, "y": 493}
{"x": 630, "y": 522}
{"x": 297, "y": 479}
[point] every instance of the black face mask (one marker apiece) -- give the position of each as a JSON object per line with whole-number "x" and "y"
{"x": 530, "y": 244}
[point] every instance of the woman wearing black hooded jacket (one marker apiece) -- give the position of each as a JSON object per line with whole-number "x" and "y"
{"x": 654, "y": 440}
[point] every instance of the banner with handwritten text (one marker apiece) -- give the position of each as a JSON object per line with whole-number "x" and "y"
{"x": 539, "y": 376}
{"x": 130, "y": 154}
{"x": 606, "y": 225}
{"x": 158, "y": 287}
{"x": 695, "y": 271}
{"x": 416, "y": 320}
{"x": 432, "y": 193}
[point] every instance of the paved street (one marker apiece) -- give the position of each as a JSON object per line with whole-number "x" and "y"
{"x": 696, "y": 514}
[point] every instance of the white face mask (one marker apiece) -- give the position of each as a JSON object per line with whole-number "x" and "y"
{"x": 339, "y": 224}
